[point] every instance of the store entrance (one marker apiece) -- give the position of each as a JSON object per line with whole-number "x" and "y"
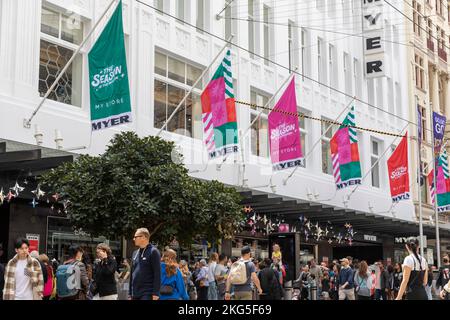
{"x": 4, "y": 231}
{"x": 370, "y": 253}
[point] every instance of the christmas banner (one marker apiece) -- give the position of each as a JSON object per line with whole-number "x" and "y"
{"x": 108, "y": 77}
{"x": 438, "y": 131}
{"x": 398, "y": 172}
{"x": 284, "y": 132}
{"x": 345, "y": 154}
{"x": 219, "y": 112}
{"x": 442, "y": 189}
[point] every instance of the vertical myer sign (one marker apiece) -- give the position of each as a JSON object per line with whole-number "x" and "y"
{"x": 372, "y": 12}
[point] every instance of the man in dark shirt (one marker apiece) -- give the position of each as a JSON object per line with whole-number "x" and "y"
{"x": 444, "y": 273}
{"x": 346, "y": 281}
{"x": 145, "y": 277}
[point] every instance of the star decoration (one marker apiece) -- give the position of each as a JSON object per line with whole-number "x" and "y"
{"x": 56, "y": 196}
{"x": 308, "y": 225}
{"x": 2, "y": 196}
{"x": 326, "y": 231}
{"x": 25, "y": 182}
{"x": 38, "y": 193}
{"x": 330, "y": 241}
{"x": 248, "y": 209}
{"x": 264, "y": 219}
{"x": 34, "y": 203}
{"x": 9, "y": 196}
{"x": 348, "y": 225}
{"x": 17, "y": 189}
{"x": 339, "y": 238}
{"x": 52, "y": 207}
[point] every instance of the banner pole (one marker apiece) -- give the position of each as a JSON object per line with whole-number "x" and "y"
{"x": 193, "y": 86}
{"x": 27, "y": 123}
{"x": 438, "y": 244}
{"x": 419, "y": 176}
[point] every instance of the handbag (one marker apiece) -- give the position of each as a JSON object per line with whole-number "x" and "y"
{"x": 166, "y": 290}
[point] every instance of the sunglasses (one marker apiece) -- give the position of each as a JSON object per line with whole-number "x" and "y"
{"x": 135, "y": 237}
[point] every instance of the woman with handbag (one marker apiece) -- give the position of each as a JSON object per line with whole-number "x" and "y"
{"x": 363, "y": 282}
{"x": 172, "y": 283}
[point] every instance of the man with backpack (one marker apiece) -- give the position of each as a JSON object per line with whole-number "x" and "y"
{"x": 242, "y": 273}
{"x": 72, "y": 280}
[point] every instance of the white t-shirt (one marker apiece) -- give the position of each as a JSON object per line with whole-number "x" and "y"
{"x": 24, "y": 290}
{"x": 412, "y": 262}
{"x": 211, "y": 270}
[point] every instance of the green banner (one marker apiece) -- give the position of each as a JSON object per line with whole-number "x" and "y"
{"x": 108, "y": 77}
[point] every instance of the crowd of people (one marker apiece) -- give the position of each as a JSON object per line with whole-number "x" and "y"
{"x": 150, "y": 276}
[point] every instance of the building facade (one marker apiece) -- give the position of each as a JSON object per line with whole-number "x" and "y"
{"x": 166, "y": 54}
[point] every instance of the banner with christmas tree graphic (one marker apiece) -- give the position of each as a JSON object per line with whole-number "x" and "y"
{"x": 442, "y": 189}
{"x": 219, "y": 112}
{"x": 345, "y": 154}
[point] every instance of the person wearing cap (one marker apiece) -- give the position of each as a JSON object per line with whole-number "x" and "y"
{"x": 244, "y": 291}
{"x": 346, "y": 287}
{"x": 202, "y": 281}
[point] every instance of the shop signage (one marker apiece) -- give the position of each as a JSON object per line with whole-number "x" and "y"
{"x": 405, "y": 240}
{"x": 370, "y": 238}
{"x": 33, "y": 239}
{"x": 372, "y": 16}
{"x": 284, "y": 227}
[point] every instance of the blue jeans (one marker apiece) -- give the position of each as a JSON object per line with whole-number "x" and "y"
{"x": 380, "y": 293}
{"x": 212, "y": 291}
{"x": 428, "y": 290}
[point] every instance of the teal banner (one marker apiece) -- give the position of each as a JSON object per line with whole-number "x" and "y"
{"x": 108, "y": 77}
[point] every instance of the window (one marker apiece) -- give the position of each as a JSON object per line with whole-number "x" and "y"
{"x": 357, "y": 77}
{"x": 60, "y": 35}
{"x": 260, "y": 129}
{"x": 159, "y": 4}
{"x": 306, "y": 53}
{"x": 327, "y": 166}
{"x": 293, "y": 45}
{"x": 347, "y": 74}
{"x": 321, "y": 61}
{"x": 180, "y": 10}
{"x": 424, "y": 180}
{"x": 419, "y": 72}
{"x": 374, "y": 156}
{"x": 303, "y": 124}
{"x": 332, "y": 65}
{"x": 266, "y": 31}
{"x": 251, "y": 28}
{"x": 423, "y": 115}
{"x": 439, "y": 7}
{"x": 173, "y": 78}
{"x": 230, "y": 24}
{"x": 200, "y": 15}
{"x": 417, "y": 18}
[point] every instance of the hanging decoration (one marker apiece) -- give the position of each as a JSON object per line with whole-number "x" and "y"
{"x": 10, "y": 196}
{"x": 2, "y": 196}
{"x": 17, "y": 189}
{"x": 34, "y": 203}
{"x": 38, "y": 193}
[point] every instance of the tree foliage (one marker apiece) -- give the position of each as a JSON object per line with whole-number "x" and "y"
{"x": 136, "y": 184}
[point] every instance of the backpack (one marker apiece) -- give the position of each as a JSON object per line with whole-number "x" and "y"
{"x": 68, "y": 280}
{"x": 238, "y": 273}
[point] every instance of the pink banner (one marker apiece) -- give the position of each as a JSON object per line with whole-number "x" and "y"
{"x": 284, "y": 132}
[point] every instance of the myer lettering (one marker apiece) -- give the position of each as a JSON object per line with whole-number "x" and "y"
{"x": 373, "y": 38}
{"x": 344, "y": 184}
{"x": 108, "y": 74}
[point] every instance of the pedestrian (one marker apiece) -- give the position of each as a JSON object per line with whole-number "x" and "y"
{"x": 316, "y": 271}
{"x": 444, "y": 273}
{"x": 429, "y": 283}
{"x": 268, "y": 279}
{"x": 445, "y": 292}
{"x": 212, "y": 288}
{"x": 398, "y": 275}
{"x": 304, "y": 280}
{"x": 346, "y": 286}
{"x": 172, "y": 283}
{"x": 278, "y": 268}
{"x": 202, "y": 281}
{"x": 415, "y": 276}
{"x": 242, "y": 273}
{"x": 363, "y": 282}
{"x": 390, "y": 284}
{"x": 373, "y": 278}
{"x": 384, "y": 282}
{"x": 195, "y": 272}
{"x": 49, "y": 284}
{"x": 105, "y": 274}
{"x": 72, "y": 271}
{"x": 334, "y": 281}
{"x": 2, "y": 273}
{"x": 23, "y": 275}
{"x": 145, "y": 278}
{"x": 35, "y": 254}
{"x": 326, "y": 285}
{"x": 186, "y": 274}
{"x": 276, "y": 254}
{"x": 221, "y": 275}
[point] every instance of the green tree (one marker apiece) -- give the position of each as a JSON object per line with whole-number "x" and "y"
{"x": 136, "y": 184}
